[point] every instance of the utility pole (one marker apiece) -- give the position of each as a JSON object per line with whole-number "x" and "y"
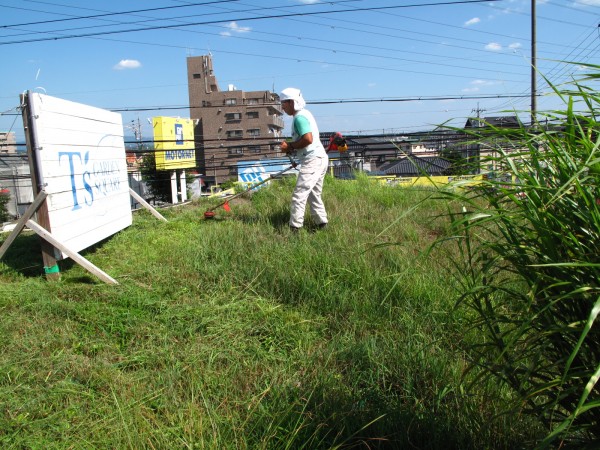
{"x": 480, "y": 124}
{"x": 533, "y": 64}
{"x": 137, "y": 132}
{"x": 478, "y": 111}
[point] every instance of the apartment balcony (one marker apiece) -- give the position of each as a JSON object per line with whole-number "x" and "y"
{"x": 276, "y": 121}
{"x": 275, "y": 108}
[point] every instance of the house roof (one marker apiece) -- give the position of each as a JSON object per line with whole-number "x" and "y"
{"x": 413, "y": 165}
{"x": 496, "y": 121}
{"x": 371, "y": 143}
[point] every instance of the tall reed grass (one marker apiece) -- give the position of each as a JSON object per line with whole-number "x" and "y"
{"x": 528, "y": 266}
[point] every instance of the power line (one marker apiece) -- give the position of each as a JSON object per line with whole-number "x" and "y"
{"x": 243, "y": 19}
{"x": 426, "y": 62}
{"x": 343, "y": 101}
{"x": 387, "y": 56}
{"x": 108, "y": 14}
{"x": 420, "y": 98}
{"x": 327, "y": 49}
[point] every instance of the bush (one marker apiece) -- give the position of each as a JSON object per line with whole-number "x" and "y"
{"x": 529, "y": 268}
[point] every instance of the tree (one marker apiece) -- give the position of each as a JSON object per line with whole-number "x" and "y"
{"x": 158, "y": 181}
{"x": 460, "y": 165}
{"x": 4, "y": 199}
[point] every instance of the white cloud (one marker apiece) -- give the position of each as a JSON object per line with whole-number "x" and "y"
{"x": 309, "y": 2}
{"x": 371, "y": 85}
{"x": 127, "y": 64}
{"x": 511, "y": 9}
{"x": 233, "y": 27}
{"x": 477, "y": 84}
{"x": 515, "y": 45}
{"x": 494, "y": 47}
{"x": 587, "y": 2}
{"x": 472, "y": 21}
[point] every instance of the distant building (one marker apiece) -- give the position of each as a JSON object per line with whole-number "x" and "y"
{"x": 8, "y": 143}
{"x": 493, "y": 122}
{"x": 16, "y": 179}
{"x": 377, "y": 151}
{"x": 231, "y": 125}
{"x": 489, "y": 158}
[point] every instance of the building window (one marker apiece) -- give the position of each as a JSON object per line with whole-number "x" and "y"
{"x": 235, "y": 134}
{"x": 254, "y": 132}
{"x": 252, "y": 114}
{"x": 230, "y": 101}
{"x": 235, "y": 150}
{"x": 254, "y": 148}
{"x": 197, "y": 75}
{"x": 253, "y": 101}
{"x": 229, "y": 117}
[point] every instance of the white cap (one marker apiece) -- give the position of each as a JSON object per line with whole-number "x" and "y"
{"x": 293, "y": 94}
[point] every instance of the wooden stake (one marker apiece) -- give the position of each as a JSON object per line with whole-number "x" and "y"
{"x": 22, "y": 221}
{"x": 48, "y": 252}
{"x": 146, "y": 205}
{"x": 47, "y": 236}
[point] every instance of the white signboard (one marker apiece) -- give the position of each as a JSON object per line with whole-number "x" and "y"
{"x": 80, "y": 157}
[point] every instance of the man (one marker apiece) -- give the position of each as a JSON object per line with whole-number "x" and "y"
{"x": 308, "y": 151}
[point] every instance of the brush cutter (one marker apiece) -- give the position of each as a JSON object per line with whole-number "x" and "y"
{"x": 210, "y": 213}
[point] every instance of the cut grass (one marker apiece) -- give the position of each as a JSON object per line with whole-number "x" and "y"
{"x": 236, "y": 333}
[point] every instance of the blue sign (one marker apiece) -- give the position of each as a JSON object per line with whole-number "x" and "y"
{"x": 261, "y": 170}
{"x": 179, "y": 134}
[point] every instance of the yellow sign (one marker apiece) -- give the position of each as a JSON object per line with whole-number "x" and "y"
{"x": 173, "y": 143}
{"x": 452, "y": 180}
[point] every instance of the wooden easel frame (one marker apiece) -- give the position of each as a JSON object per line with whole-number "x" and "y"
{"x": 27, "y": 220}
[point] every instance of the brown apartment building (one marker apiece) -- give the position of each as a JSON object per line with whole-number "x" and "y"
{"x": 8, "y": 144}
{"x": 231, "y": 125}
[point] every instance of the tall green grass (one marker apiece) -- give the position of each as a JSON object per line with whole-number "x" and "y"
{"x": 528, "y": 267}
{"x": 235, "y": 333}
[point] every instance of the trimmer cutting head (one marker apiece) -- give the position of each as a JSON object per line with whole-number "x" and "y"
{"x": 209, "y": 214}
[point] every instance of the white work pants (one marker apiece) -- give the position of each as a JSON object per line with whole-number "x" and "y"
{"x": 309, "y": 186}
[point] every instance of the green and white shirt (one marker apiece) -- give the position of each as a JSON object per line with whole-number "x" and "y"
{"x": 303, "y": 123}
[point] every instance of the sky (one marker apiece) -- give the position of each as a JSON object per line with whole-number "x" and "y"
{"x": 364, "y": 66}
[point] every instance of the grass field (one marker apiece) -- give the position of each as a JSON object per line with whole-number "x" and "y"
{"x": 235, "y": 333}
{"x": 418, "y": 319}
